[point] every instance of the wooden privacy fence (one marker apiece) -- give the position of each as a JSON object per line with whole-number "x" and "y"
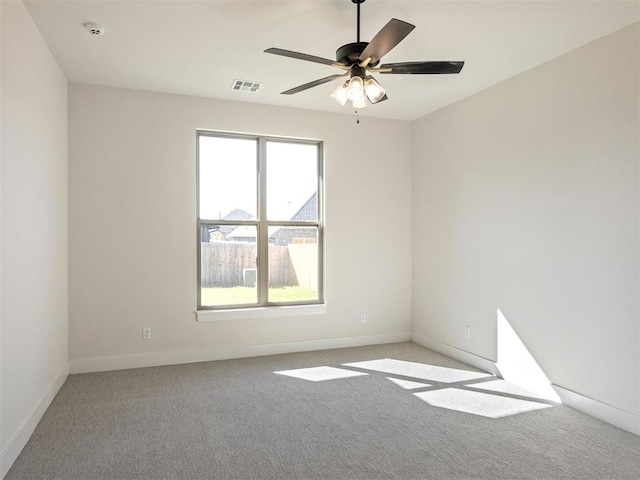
{"x": 304, "y": 258}
{"x": 232, "y": 264}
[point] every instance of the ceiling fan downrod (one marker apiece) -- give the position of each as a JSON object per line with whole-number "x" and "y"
{"x": 358, "y": 2}
{"x": 349, "y": 54}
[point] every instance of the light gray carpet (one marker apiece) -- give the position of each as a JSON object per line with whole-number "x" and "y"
{"x": 238, "y": 419}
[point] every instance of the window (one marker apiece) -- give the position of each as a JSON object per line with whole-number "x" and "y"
{"x": 259, "y": 221}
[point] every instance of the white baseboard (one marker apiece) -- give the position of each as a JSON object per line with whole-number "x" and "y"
{"x": 24, "y": 432}
{"x": 613, "y": 415}
{"x": 594, "y": 408}
{"x": 472, "y": 359}
{"x": 156, "y": 359}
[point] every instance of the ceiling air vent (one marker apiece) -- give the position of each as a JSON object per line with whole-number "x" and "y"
{"x": 245, "y": 86}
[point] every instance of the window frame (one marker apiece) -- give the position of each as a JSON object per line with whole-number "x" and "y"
{"x": 262, "y": 224}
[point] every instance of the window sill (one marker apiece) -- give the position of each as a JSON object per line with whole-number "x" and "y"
{"x": 260, "y": 312}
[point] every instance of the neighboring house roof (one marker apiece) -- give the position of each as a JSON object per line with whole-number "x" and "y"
{"x": 243, "y": 231}
{"x": 308, "y": 211}
{"x": 237, "y": 214}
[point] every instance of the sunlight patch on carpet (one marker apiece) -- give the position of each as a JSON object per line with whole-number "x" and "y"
{"x": 419, "y": 370}
{"x": 408, "y": 385}
{"x": 502, "y": 386}
{"x": 320, "y": 374}
{"x": 477, "y": 403}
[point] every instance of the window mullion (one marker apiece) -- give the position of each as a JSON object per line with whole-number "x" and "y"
{"x": 319, "y": 218}
{"x": 263, "y": 228}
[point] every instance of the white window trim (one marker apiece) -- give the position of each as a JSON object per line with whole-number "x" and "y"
{"x": 264, "y": 308}
{"x": 268, "y": 311}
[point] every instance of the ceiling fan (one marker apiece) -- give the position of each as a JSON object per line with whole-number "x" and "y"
{"x": 360, "y": 59}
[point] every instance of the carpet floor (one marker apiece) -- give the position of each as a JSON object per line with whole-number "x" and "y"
{"x": 396, "y": 411}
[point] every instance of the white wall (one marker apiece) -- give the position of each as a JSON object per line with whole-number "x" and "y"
{"x": 1, "y": 429}
{"x": 133, "y": 227}
{"x": 525, "y": 199}
{"x": 34, "y": 309}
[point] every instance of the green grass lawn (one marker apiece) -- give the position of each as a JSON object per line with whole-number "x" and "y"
{"x": 237, "y": 295}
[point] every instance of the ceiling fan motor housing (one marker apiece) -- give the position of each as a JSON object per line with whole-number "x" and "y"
{"x": 350, "y": 53}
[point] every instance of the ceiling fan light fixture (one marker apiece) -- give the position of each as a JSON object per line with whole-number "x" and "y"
{"x": 358, "y": 58}
{"x": 355, "y": 90}
{"x": 340, "y": 93}
{"x": 373, "y": 89}
{"x": 361, "y": 103}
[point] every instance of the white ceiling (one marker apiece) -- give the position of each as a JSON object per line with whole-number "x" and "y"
{"x": 200, "y": 47}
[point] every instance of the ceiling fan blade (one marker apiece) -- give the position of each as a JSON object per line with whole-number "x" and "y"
{"x": 315, "y": 83}
{"x": 299, "y": 56}
{"x": 386, "y": 39}
{"x": 424, "y": 68}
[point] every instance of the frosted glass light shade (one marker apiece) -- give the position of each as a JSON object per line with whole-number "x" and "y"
{"x": 360, "y": 103}
{"x": 340, "y": 93}
{"x": 355, "y": 90}
{"x": 373, "y": 89}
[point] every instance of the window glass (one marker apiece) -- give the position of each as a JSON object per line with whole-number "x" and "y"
{"x": 292, "y": 181}
{"x": 228, "y": 178}
{"x": 259, "y": 223}
{"x": 228, "y": 269}
{"x": 293, "y": 264}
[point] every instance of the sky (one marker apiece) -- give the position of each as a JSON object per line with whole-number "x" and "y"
{"x": 228, "y": 177}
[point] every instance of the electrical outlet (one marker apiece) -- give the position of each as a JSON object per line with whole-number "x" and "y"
{"x": 146, "y": 333}
{"x": 363, "y": 318}
{"x": 467, "y": 331}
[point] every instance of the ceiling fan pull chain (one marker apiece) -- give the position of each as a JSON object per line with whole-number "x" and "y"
{"x": 357, "y": 117}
